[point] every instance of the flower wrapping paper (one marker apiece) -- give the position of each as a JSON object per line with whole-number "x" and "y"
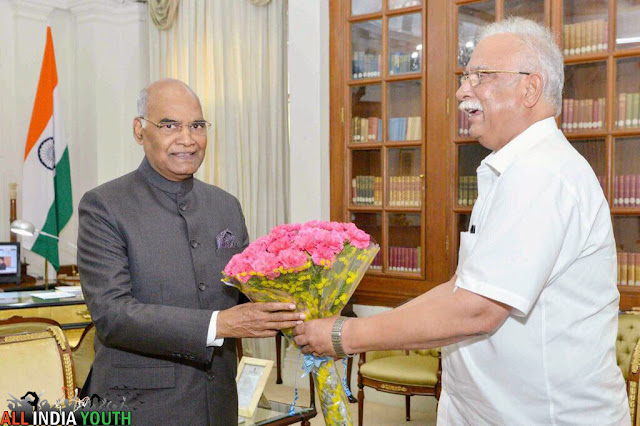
{"x": 317, "y": 266}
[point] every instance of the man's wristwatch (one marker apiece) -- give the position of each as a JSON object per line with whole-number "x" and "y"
{"x": 336, "y": 337}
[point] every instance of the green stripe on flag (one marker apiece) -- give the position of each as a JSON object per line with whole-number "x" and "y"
{"x": 59, "y": 213}
{"x": 62, "y": 184}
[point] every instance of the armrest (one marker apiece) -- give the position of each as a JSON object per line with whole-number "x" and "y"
{"x": 633, "y": 380}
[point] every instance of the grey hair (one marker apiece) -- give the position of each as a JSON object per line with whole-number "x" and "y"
{"x": 545, "y": 56}
{"x": 143, "y": 96}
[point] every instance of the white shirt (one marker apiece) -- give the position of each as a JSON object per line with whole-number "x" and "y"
{"x": 543, "y": 244}
{"x": 213, "y": 330}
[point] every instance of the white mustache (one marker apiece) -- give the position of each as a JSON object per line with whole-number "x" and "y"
{"x": 469, "y": 105}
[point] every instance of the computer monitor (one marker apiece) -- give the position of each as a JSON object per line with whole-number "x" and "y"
{"x": 10, "y": 263}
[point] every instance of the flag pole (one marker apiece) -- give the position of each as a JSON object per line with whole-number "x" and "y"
{"x": 46, "y": 272}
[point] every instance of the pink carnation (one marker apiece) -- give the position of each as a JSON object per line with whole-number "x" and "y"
{"x": 279, "y": 244}
{"x": 266, "y": 263}
{"x": 292, "y": 258}
{"x": 290, "y": 245}
{"x": 359, "y": 238}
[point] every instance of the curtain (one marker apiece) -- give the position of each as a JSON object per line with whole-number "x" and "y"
{"x": 233, "y": 55}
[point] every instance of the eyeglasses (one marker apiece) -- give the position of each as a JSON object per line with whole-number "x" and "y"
{"x": 475, "y": 78}
{"x": 198, "y": 127}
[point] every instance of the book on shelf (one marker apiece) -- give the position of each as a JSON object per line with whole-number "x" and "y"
{"x": 582, "y": 114}
{"x": 366, "y": 129}
{"x": 628, "y": 268}
{"x": 405, "y": 128}
{"x": 628, "y": 110}
{"x": 404, "y": 259}
{"x": 365, "y": 65}
{"x": 405, "y": 191}
{"x": 376, "y": 264}
{"x": 402, "y": 63}
{"x": 626, "y": 190}
{"x": 585, "y": 37}
{"x": 366, "y": 190}
{"x": 463, "y": 124}
{"x": 467, "y": 190}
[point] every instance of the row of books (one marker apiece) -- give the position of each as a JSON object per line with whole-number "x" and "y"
{"x": 366, "y": 190}
{"x": 402, "y": 63}
{"x": 405, "y": 191}
{"x": 583, "y": 114}
{"x": 628, "y": 268}
{"x": 404, "y": 259}
{"x": 585, "y": 37}
{"x": 405, "y": 129}
{"x": 463, "y": 123}
{"x": 376, "y": 264}
{"x": 467, "y": 190}
{"x": 628, "y": 110}
{"x": 366, "y": 129}
{"x": 626, "y": 190}
{"x": 365, "y": 65}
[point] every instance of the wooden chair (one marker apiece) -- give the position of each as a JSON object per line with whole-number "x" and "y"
{"x": 35, "y": 361}
{"x": 83, "y": 355}
{"x": 407, "y": 373}
{"x": 628, "y": 358}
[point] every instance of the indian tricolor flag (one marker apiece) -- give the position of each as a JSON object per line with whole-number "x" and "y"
{"x": 46, "y": 190}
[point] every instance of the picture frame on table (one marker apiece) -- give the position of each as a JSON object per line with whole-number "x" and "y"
{"x": 251, "y": 380}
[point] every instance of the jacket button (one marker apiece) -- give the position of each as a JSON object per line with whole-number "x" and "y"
{"x": 202, "y": 287}
{"x": 183, "y": 206}
{"x": 194, "y": 243}
{"x": 210, "y": 375}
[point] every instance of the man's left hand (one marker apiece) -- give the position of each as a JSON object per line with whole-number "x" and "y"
{"x": 314, "y": 337}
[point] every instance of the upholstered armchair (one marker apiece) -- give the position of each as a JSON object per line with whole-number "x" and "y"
{"x": 407, "y": 373}
{"x": 83, "y": 355}
{"x": 628, "y": 357}
{"x": 37, "y": 360}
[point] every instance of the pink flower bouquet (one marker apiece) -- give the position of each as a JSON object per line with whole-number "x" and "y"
{"x": 318, "y": 266}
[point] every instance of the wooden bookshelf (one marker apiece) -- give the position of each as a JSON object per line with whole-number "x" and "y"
{"x": 605, "y": 65}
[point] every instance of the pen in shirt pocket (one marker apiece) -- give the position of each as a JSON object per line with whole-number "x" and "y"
{"x": 473, "y": 229}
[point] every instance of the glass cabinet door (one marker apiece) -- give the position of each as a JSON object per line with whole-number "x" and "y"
{"x": 626, "y": 178}
{"x": 399, "y": 4}
{"x": 585, "y": 26}
{"x": 405, "y": 44}
{"x": 404, "y": 111}
{"x": 366, "y": 178}
{"x": 405, "y": 232}
{"x": 584, "y": 99}
{"x": 628, "y": 24}
{"x": 471, "y": 17}
{"x": 366, "y": 49}
{"x": 405, "y": 182}
{"x": 529, "y": 9}
{"x": 366, "y": 114}
{"x": 628, "y": 93}
{"x": 362, "y": 7}
{"x": 469, "y": 158}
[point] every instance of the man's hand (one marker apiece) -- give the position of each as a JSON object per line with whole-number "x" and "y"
{"x": 257, "y": 320}
{"x": 314, "y": 337}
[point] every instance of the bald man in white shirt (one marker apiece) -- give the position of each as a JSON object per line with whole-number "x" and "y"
{"x": 528, "y": 323}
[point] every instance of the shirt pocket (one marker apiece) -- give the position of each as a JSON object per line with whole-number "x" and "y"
{"x": 467, "y": 242}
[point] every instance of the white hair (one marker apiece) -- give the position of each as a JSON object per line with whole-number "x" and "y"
{"x": 542, "y": 54}
{"x": 143, "y": 97}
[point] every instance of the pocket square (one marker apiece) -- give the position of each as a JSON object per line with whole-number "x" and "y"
{"x": 226, "y": 239}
